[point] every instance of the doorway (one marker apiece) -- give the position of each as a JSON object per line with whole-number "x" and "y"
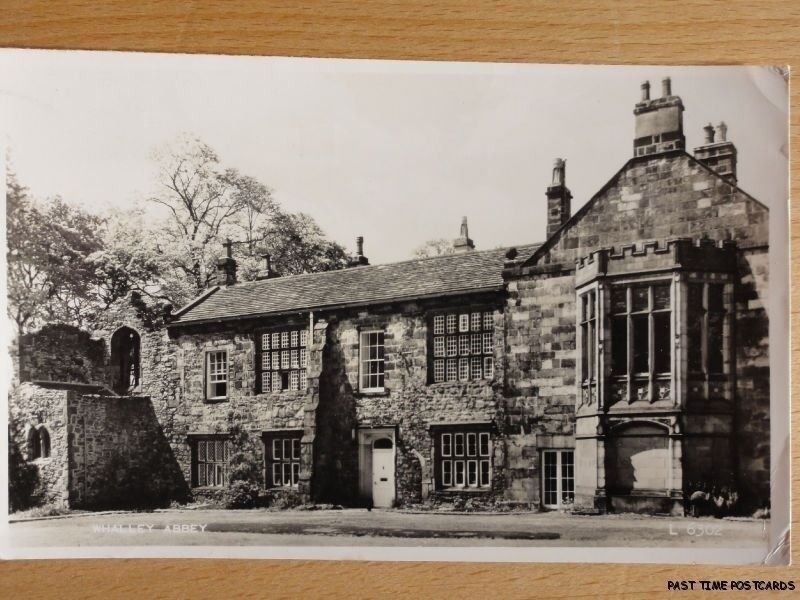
{"x": 382, "y": 473}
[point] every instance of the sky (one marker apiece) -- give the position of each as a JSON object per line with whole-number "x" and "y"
{"x": 393, "y": 151}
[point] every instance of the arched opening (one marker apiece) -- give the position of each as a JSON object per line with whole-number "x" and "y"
{"x": 125, "y": 369}
{"x": 383, "y": 444}
{"x": 38, "y": 443}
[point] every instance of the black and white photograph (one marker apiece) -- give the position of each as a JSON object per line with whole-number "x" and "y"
{"x": 364, "y": 309}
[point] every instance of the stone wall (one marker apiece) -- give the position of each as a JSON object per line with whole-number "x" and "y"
{"x": 61, "y": 353}
{"x": 34, "y": 406}
{"x": 332, "y": 410}
{"x": 656, "y": 198}
{"x": 118, "y": 455}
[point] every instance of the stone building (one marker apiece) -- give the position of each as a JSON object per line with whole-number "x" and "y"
{"x": 621, "y": 364}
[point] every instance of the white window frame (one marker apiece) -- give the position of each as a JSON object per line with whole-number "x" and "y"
{"x": 216, "y": 376}
{"x": 559, "y": 453}
{"x": 453, "y": 466}
{"x": 364, "y": 359}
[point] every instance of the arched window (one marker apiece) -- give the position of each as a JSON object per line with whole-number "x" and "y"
{"x": 383, "y": 444}
{"x": 125, "y": 367}
{"x": 38, "y": 443}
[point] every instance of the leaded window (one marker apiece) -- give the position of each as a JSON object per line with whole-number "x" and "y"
{"x": 284, "y": 360}
{"x": 210, "y": 462}
{"x": 462, "y": 345}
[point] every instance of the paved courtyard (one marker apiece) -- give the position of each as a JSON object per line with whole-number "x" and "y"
{"x": 355, "y": 527}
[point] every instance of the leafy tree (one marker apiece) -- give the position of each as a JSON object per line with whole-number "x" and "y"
{"x": 205, "y": 203}
{"x": 49, "y": 278}
{"x": 437, "y": 247}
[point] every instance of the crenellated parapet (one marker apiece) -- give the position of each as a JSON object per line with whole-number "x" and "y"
{"x": 703, "y": 254}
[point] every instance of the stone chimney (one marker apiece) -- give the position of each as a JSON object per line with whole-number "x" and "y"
{"x": 359, "y": 259}
{"x": 718, "y": 155}
{"x": 462, "y": 243}
{"x": 659, "y": 122}
{"x": 226, "y": 266}
{"x": 558, "y": 198}
{"x": 267, "y": 272}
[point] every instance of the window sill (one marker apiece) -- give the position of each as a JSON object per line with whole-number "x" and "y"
{"x": 464, "y": 490}
{"x": 372, "y": 393}
{"x": 216, "y": 400}
{"x": 209, "y": 488}
{"x": 470, "y": 382}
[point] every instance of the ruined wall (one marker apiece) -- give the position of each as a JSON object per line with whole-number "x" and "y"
{"x": 118, "y": 455}
{"x": 61, "y": 353}
{"x": 34, "y": 406}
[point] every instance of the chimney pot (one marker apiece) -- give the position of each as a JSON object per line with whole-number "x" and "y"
{"x": 226, "y": 266}
{"x": 709, "y": 129}
{"x": 463, "y": 243}
{"x": 558, "y": 198}
{"x": 359, "y": 259}
{"x": 666, "y": 87}
{"x": 723, "y": 131}
{"x": 645, "y": 91}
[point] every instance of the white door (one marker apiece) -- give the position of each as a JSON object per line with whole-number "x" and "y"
{"x": 382, "y": 473}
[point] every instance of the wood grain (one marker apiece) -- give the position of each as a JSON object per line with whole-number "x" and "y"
{"x": 599, "y": 31}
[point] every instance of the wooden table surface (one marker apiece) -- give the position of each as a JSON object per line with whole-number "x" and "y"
{"x": 600, "y": 31}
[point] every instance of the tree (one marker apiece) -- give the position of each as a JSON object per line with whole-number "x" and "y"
{"x": 197, "y": 194}
{"x": 205, "y": 203}
{"x": 49, "y": 278}
{"x": 128, "y": 261}
{"x": 437, "y": 247}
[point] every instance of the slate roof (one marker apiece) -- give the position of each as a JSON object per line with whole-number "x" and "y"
{"x": 468, "y": 272}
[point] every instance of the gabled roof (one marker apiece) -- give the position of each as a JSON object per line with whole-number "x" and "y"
{"x": 544, "y": 247}
{"x": 464, "y": 273}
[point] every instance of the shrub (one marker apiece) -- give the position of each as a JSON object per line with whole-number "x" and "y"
{"x": 244, "y": 472}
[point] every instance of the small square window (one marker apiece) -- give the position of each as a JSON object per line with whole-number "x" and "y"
{"x": 488, "y": 320}
{"x": 447, "y": 441}
{"x": 472, "y": 444}
{"x": 452, "y": 323}
{"x": 459, "y": 444}
{"x": 284, "y": 339}
{"x": 463, "y": 369}
{"x": 438, "y": 370}
{"x": 488, "y": 343}
{"x": 265, "y": 341}
{"x": 463, "y": 345}
{"x": 295, "y": 338}
{"x": 488, "y": 367}
{"x": 452, "y": 369}
{"x": 447, "y": 473}
{"x": 475, "y": 367}
{"x": 452, "y": 346}
{"x": 438, "y": 346}
{"x": 303, "y": 379}
{"x": 438, "y": 325}
{"x": 477, "y": 344}
{"x": 303, "y": 338}
{"x": 475, "y": 321}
